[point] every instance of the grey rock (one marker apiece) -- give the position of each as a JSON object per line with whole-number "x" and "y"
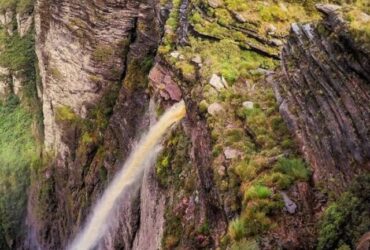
{"x": 248, "y": 105}
{"x": 218, "y": 82}
{"x": 290, "y": 206}
{"x": 215, "y": 108}
{"x": 215, "y": 3}
{"x": 231, "y": 153}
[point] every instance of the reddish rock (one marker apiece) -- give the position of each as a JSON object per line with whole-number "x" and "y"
{"x": 161, "y": 79}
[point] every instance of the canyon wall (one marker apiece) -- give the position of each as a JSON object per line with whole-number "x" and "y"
{"x": 270, "y": 139}
{"x": 323, "y": 91}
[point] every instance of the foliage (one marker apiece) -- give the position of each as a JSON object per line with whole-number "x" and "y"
{"x": 237, "y": 229}
{"x": 293, "y": 167}
{"x": 258, "y": 192}
{"x": 20, "y": 5}
{"x": 18, "y": 53}
{"x": 346, "y": 220}
{"x": 18, "y": 152}
{"x": 102, "y": 53}
{"x": 65, "y": 113}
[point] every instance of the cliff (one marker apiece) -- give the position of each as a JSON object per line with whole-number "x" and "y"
{"x": 274, "y": 149}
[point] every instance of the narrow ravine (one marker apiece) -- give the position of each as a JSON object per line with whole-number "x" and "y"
{"x": 144, "y": 153}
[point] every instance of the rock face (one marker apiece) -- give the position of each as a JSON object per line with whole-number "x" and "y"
{"x": 89, "y": 53}
{"x": 24, "y": 23}
{"x": 324, "y": 95}
{"x": 80, "y": 50}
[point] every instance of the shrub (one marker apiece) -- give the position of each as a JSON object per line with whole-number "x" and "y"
{"x": 346, "y": 220}
{"x": 294, "y": 167}
{"x": 257, "y": 192}
{"x": 245, "y": 245}
{"x": 237, "y": 229}
{"x": 18, "y": 53}
{"x": 18, "y": 153}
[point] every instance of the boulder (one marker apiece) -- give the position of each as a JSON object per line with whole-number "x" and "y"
{"x": 218, "y": 82}
{"x": 231, "y": 153}
{"x": 175, "y": 54}
{"x": 248, "y": 105}
{"x": 215, "y": 3}
{"x": 215, "y": 109}
{"x": 197, "y": 59}
{"x": 290, "y": 206}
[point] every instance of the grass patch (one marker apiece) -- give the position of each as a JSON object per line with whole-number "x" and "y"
{"x": 18, "y": 152}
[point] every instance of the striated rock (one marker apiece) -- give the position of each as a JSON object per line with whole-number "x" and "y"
{"x": 238, "y": 16}
{"x": 85, "y": 50}
{"x": 324, "y": 95}
{"x": 80, "y": 58}
{"x": 328, "y": 8}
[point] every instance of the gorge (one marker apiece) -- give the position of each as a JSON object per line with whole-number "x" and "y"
{"x": 273, "y": 151}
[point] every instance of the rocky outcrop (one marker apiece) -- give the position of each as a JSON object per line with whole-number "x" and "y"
{"x": 324, "y": 95}
{"x": 24, "y": 23}
{"x": 5, "y": 80}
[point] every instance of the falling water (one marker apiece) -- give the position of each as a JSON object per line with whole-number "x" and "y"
{"x": 97, "y": 226}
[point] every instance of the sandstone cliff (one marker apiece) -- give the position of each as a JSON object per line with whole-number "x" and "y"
{"x": 275, "y": 136}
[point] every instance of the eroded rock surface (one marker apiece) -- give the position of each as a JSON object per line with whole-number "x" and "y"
{"x": 324, "y": 96}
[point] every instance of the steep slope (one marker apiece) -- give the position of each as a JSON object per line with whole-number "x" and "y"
{"x": 324, "y": 96}
{"x": 270, "y": 140}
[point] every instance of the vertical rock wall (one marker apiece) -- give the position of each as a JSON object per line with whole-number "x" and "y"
{"x": 324, "y": 95}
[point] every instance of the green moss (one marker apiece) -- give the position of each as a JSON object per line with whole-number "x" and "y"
{"x": 103, "y": 53}
{"x": 65, "y": 113}
{"x": 18, "y": 53}
{"x": 20, "y": 5}
{"x": 257, "y": 192}
{"x": 295, "y": 168}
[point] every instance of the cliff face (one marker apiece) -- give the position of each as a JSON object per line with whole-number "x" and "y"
{"x": 89, "y": 54}
{"x": 82, "y": 48}
{"x": 323, "y": 91}
{"x": 230, "y": 175}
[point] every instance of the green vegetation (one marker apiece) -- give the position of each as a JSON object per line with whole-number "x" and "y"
{"x": 177, "y": 175}
{"x": 18, "y": 53}
{"x": 359, "y": 24}
{"x": 102, "y": 53}
{"x": 18, "y": 152}
{"x": 20, "y": 6}
{"x": 267, "y": 162}
{"x": 65, "y": 113}
{"x": 346, "y": 220}
{"x": 20, "y": 129}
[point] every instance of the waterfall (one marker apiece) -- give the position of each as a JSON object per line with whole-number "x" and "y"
{"x": 98, "y": 222}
